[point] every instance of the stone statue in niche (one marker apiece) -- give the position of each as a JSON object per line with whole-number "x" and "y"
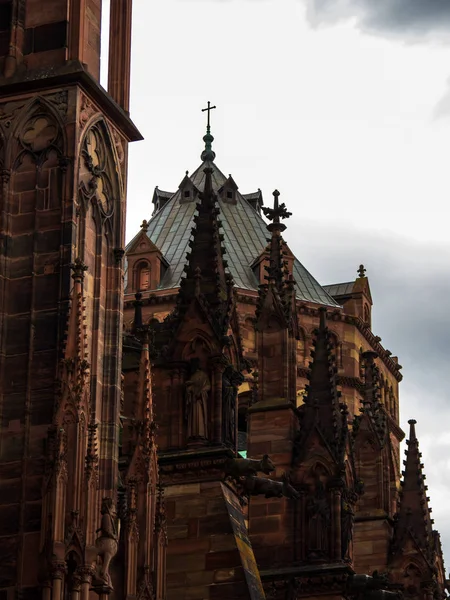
{"x": 319, "y": 518}
{"x": 197, "y": 391}
{"x": 106, "y": 543}
{"x": 347, "y": 521}
{"x": 231, "y": 380}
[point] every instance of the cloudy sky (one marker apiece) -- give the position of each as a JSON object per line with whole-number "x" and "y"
{"x": 344, "y": 106}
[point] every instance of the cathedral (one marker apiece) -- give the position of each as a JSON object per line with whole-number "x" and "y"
{"x": 191, "y": 416}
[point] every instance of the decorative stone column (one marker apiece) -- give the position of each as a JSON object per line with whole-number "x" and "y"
{"x": 337, "y": 529}
{"x": 85, "y": 574}
{"x": 76, "y": 588}
{"x": 46, "y": 591}
{"x": 58, "y": 572}
{"x": 218, "y": 365}
{"x": 428, "y": 588}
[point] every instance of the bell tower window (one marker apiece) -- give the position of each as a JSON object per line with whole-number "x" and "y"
{"x": 143, "y": 277}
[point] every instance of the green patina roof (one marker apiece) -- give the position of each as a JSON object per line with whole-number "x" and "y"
{"x": 245, "y": 238}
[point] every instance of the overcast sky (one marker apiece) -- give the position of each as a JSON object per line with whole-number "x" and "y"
{"x": 344, "y": 106}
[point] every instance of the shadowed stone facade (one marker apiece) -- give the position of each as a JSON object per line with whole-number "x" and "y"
{"x": 132, "y": 380}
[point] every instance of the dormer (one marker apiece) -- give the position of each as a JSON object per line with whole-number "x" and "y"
{"x": 259, "y": 265}
{"x": 354, "y": 296}
{"x": 255, "y": 200}
{"x": 160, "y": 199}
{"x": 188, "y": 191}
{"x": 228, "y": 191}
{"x": 146, "y": 264}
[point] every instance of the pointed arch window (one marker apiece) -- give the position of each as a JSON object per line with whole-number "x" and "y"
{"x": 249, "y": 335}
{"x": 367, "y": 315}
{"x": 143, "y": 273}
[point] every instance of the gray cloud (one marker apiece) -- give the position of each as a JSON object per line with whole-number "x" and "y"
{"x": 415, "y": 18}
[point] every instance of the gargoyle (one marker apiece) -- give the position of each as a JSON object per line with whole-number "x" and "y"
{"x": 245, "y": 467}
{"x": 258, "y": 486}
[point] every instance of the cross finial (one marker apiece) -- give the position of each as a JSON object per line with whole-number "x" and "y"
{"x": 209, "y": 108}
{"x": 362, "y": 271}
{"x": 208, "y": 153}
{"x": 276, "y": 213}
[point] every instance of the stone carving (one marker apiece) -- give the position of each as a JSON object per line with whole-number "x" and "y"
{"x": 9, "y": 111}
{"x": 59, "y": 100}
{"x": 256, "y": 486}
{"x": 347, "y": 521}
{"x": 231, "y": 380}
{"x": 245, "y": 467}
{"x": 87, "y": 109}
{"x": 118, "y": 142}
{"x": 319, "y": 520}
{"x": 197, "y": 393}
{"x": 106, "y": 543}
{"x": 99, "y": 181}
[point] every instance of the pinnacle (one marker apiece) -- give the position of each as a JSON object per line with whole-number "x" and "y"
{"x": 276, "y": 271}
{"x": 371, "y": 396}
{"x": 205, "y": 275}
{"x": 414, "y": 512}
{"x": 322, "y": 408}
{"x": 412, "y": 430}
{"x": 322, "y": 380}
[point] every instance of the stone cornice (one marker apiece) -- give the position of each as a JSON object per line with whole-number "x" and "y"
{"x": 151, "y": 300}
{"x": 73, "y": 73}
{"x": 192, "y": 465}
{"x": 303, "y": 309}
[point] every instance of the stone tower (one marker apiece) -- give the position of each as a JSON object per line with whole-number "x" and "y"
{"x": 63, "y": 159}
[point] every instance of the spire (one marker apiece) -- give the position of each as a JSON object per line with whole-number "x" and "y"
{"x": 146, "y": 400}
{"x": 281, "y": 284}
{"x": 276, "y": 228}
{"x": 414, "y": 513}
{"x": 322, "y": 409}
{"x": 76, "y": 330}
{"x": 371, "y": 395}
{"x": 208, "y": 153}
{"x": 205, "y": 266}
{"x": 371, "y": 406}
{"x": 276, "y": 316}
{"x": 74, "y": 368}
{"x": 322, "y": 379}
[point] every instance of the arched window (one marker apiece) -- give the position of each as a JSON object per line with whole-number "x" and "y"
{"x": 392, "y": 404}
{"x": 249, "y": 335}
{"x": 366, "y": 315}
{"x": 386, "y": 395}
{"x": 382, "y": 398}
{"x": 336, "y": 349}
{"x": 301, "y": 347}
{"x": 143, "y": 277}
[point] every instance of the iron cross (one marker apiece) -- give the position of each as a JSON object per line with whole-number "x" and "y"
{"x": 209, "y": 109}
